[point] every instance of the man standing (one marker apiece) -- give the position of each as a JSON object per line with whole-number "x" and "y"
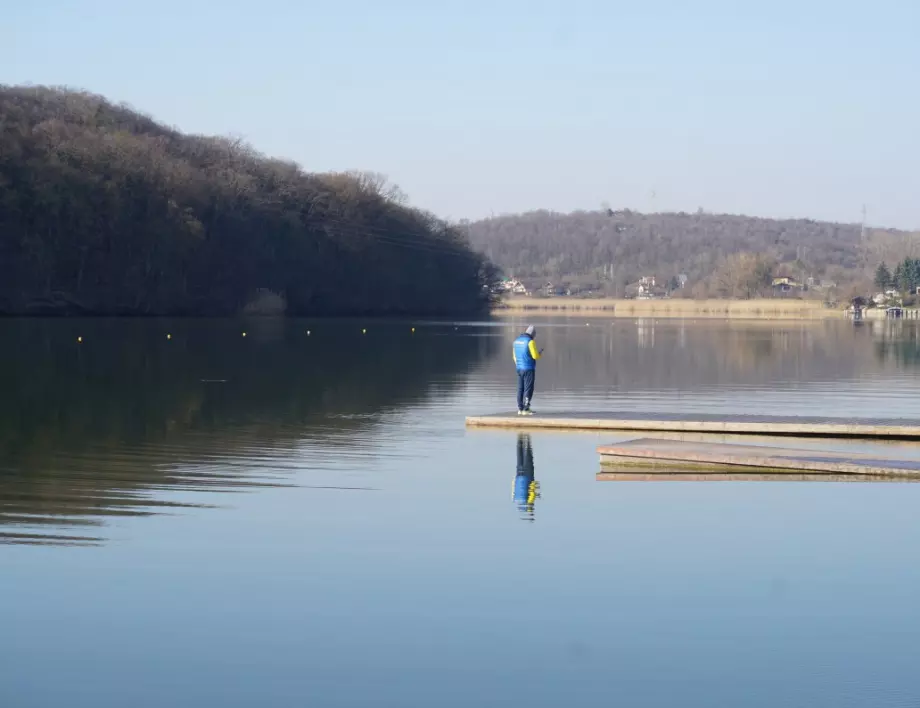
{"x": 525, "y": 359}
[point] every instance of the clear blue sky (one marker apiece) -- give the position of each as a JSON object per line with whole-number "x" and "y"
{"x": 780, "y": 108}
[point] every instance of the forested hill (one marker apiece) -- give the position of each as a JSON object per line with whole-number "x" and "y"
{"x": 103, "y": 211}
{"x": 609, "y": 249}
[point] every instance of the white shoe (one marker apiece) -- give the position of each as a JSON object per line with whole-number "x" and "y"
{"x": 527, "y": 412}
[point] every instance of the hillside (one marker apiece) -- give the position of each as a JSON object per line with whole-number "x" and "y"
{"x": 105, "y": 211}
{"x": 606, "y": 251}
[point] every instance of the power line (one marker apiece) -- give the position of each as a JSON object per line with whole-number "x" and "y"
{"x": 408, "y": 244}
{"x": 388, "y": 236}
{"x": 421, "y": 237}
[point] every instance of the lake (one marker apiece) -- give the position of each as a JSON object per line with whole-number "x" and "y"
{"x": 298, "y": 517}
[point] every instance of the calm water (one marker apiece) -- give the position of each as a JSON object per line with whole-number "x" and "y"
{"x": 294, "y": 519}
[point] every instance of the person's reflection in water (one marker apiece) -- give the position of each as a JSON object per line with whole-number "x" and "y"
{"x": 526, "y": 488}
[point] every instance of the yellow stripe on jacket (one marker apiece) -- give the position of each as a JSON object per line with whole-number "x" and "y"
{"x": 533, "y": 350}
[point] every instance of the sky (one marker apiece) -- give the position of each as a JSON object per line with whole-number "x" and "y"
{"x": 777, "y": 109}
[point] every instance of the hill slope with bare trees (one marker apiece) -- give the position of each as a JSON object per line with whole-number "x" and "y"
{"x": 105, "y": 211}
{"x": 606, "y": 251}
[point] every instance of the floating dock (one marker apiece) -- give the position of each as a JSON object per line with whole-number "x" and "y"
{"x": 730, "y": 476}
{"x": 798, "y": 426}
{"x": 676, "y": 456}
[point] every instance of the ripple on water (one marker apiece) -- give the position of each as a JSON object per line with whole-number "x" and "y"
{"x": 189, "y": 449}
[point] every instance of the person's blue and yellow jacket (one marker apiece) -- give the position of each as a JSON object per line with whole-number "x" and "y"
{"x": 525, "y": 353}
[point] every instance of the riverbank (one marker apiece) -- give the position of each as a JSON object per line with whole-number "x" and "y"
{"x": 765, "y": 308}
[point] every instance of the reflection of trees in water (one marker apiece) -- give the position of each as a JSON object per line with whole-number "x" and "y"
{"x": 100, "y": 428}
{"x": 685, "y": 355}
{"x": 897, "y": 341}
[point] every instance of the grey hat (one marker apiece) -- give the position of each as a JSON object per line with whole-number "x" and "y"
{"x": 530, "y": 330}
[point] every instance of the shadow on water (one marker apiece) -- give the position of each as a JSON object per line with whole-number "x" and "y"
{"x": 526, "y": 489}
{"x": 141, "y": 415}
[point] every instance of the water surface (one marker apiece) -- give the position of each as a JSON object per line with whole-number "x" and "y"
{"x": 298, "y": 517}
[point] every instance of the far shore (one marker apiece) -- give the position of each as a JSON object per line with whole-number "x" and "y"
{"x": 765, "y": 308}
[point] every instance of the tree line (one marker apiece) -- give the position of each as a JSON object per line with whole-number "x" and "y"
{"x": 105, "y": 211}
{"x": 607, "y": 250}
{"x": 905, "y": 277}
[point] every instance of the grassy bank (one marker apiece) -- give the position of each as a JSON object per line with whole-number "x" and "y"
{"x": 766, "y": 308}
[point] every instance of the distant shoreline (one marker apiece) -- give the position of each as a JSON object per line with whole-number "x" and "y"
{"x": 765, "y": 308}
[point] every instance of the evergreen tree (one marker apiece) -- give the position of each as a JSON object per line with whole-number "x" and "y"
{"x": 912, "y": 266}
{"x": 910, "y": 275}
{"x": 907, "y": 275}
{"x": 882, "y": 276}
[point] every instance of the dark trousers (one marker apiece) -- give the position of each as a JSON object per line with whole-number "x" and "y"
{"x": 526, "y": 381}
{"x": 524, "y": 456}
